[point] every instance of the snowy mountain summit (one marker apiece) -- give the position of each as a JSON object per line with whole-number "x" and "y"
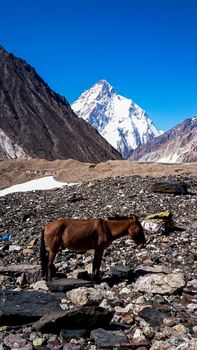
{"x": 118, "y": 119}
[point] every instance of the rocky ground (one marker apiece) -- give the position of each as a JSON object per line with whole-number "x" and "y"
{"x": 148, "y": 296}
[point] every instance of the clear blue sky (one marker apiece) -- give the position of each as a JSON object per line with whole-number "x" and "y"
{"x": 146, "y": 49}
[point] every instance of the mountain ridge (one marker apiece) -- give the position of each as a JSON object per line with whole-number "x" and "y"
{"x": 177, "y": 145}
{"x": 122, "y": 122}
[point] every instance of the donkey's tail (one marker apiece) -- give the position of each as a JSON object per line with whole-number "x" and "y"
{"x": 43, "y": 256}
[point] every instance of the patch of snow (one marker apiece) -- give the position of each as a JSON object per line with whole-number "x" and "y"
{"x": 44, "y": 183}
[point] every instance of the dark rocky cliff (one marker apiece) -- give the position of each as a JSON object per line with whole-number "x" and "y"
{"x": 36, "y": 122}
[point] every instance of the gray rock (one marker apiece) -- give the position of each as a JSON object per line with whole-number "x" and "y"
{"x": 16, "y": 341}
{"x": 175, "y": 187}
{"x": 194, "y": 224}
{"x": 19, "y": 268}
{"x": 120, "y": 272}
{"x": 22, "y": 307}
{"x": 84, "y": 296}
{"x": 84, "y": 317}
{"x": 69, "y": 346}
{"x": 160, "y": 283}
{"x": 152, "y": 269}
{"x": 107, "y": 339}
{"x": 152, "y": 316}
{"x": 66, "y": 334}
{"x": 190, "y": 344}
{"x": 66, "y": 284}
{"x": 28, "y": 277}
{"x": 162, "y": 345}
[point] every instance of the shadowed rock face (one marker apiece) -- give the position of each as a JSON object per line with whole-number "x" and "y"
{"x": 178, "y": 145}
{"x": 35, "y": 122}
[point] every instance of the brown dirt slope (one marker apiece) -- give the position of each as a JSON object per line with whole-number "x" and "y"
{"x": 18, "y": 171}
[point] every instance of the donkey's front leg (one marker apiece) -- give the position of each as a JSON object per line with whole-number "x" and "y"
{"x": 98, "y": 253}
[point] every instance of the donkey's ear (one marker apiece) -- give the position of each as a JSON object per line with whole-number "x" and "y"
{"x": 135, "y": 218}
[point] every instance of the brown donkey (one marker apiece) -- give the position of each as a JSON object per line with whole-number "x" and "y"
{"x": 83, "y": 235}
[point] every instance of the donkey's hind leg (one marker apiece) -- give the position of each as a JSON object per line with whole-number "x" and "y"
{"x": 51, "y": 266}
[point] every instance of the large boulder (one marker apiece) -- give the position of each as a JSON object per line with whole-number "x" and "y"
{"x": 175, "y": 187}
{"x": 160, "y": 283}
{"x": 82, "y": 318}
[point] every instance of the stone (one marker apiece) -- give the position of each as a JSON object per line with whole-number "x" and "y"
{"x": 175, "y": 187}
{"x": 194, "y": 328}
{"x": 18, "y": 342}
{"x": 120, "y": 272}
{"x": 171, "y": 321}
{"x": 54, "y": 344}
{"x": 138, "y": 335}
{"x": 160, "y": 283}
{"x": 84, "y": 296}
{"x": 148, "y": 331}
{"x": 194, "y": 224}
{"x": 107, "y": 339}
{"x": 40, "y": 285}
{"x": 81, "y": 274}
{"x": 152, "y": 316}
{"x": 124, "y": 315}
{"x": 32, "y": 243}
{"x": 192, "y": 307}
{"x": 191, "y": 286}
{"x": 66, "y": 334}
{"x": 143, "y": 270}
{"x": 162, "y": 345}
{"x": 18, "y": 268}
{"x": 69, "y": 346}
{"x": 106, "y": 305}
{"x": 180, "y": 329}
{"x": 27, "y": 251}
{"x": 22, "y": 307}
{"x": 190, "y": 344}
{"x": 66, "y": 284}
{"x": 38, "y": 342}
{"x": 84, "y": 317}
{"x": 29, "y": 277}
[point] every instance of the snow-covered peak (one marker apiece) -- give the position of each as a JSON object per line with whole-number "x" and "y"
{"x": 118, "y": 119}
{"x": 100, "y": 89}
{"x": 104, "y": 87}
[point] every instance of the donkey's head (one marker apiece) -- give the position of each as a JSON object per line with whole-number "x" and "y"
{"x": 136, "y": 231}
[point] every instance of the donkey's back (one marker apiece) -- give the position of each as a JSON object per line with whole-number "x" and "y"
{"x": 75, "y": 234}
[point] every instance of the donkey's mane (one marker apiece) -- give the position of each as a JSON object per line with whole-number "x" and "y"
{"x": 118, "y": 217}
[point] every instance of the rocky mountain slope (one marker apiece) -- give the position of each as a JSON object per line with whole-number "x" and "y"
{"x": 177, "y": 145}
{"x": 118, "y": 119}
{"x": 35, "y": 122}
